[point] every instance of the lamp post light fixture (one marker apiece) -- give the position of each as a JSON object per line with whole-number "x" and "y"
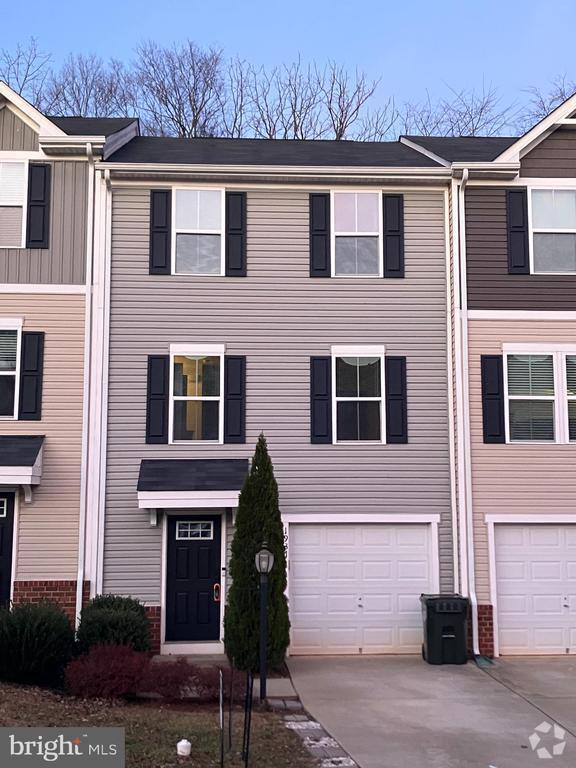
{"x": 264, "y": 563}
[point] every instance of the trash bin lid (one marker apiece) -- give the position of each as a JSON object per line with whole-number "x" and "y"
{"x": 448, "y": 603}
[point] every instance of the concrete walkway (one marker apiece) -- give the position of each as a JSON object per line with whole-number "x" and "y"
{"x": 398, "y": 712}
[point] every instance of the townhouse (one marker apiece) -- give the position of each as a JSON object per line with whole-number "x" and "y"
{"x": 46, "y": 237}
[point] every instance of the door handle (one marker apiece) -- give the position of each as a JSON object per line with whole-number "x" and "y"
{"x": 216, "y": 593}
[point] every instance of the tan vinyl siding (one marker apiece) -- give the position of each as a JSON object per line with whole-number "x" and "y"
{"x": 15, "y": 135}
{"x": 278, "y": 317}
{"x": 64, "y": 262}
{"x": 47, "y": 537}
{"x": 553, "y": 157}
{"x": 527, "y": 478}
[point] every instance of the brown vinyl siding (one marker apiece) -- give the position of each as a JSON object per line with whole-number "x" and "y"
{"x": 279, "y": 317}
{"x": 489, "y": 284}
{"x": 64, "y": 262}
{"x": 554, "y": 157}
{"x": 529, "y": 478}
{"x": 15, "y": 135}
{"x": 47, "y": 537}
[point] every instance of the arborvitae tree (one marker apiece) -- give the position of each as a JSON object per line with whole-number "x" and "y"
{"x": 258, "y": 520}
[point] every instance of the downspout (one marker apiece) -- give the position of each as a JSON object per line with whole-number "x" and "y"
{"x": 86, "y": 386}
{"x": 467, "y": 459}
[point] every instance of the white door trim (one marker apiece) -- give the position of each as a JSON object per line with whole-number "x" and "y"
{"x": 517, "y": 519}
{"x": 167, "y": 648}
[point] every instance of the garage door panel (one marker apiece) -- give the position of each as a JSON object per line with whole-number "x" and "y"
{"x": 536, "y": 588}
{"x": 364, "y": 597}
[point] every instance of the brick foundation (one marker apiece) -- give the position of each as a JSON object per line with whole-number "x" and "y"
{"x": 153, "y": 613}
{"x": 485, "y": 632}
{"x": 61, "y": 592}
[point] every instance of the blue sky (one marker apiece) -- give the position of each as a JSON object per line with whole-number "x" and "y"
{"x": 414, "y": 47}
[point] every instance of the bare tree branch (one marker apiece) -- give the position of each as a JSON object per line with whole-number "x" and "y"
{"x": 25, "y": 70}
{"x": 343, "y": 97}
{"x": 542, "y": 102}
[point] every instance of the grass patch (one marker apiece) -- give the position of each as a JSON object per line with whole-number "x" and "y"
{"x": 152, "y": 731}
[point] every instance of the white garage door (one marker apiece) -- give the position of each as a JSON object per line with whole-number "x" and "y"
{"x": 536, "y": 586}
{"x": 356, "y": 588}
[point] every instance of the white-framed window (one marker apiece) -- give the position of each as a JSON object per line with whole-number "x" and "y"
{"x": 198, "y": 221}
{"x": 187, "y": 530}
{"x": 13, "y": 192}
{"x": 358, "y": 412}
{"x": 356, "y": 234}
{"x": 540, "y": 387}
{"x": 3, "y": 507}
{"x": 10, "y": 342}
{"x": 196, "y": 393}
{"x": 552, "y": 215}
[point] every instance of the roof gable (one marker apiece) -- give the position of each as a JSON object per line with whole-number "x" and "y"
{"x": 27, "y": 113}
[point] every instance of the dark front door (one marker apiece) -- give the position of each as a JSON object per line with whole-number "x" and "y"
{"x": 193, "y": 578}
{"x": 6, "y": 538}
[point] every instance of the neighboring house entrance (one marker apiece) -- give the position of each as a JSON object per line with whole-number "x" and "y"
{"x": 193, "y": 574}
{"x": 356, "y": 588}
{"x": 536, "y": 588}
{"x": 6, "y": 539}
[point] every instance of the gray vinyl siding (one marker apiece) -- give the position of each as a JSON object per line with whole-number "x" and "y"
{"x": 553, "y": 157}
{"x": 489, "y": 284}
{"x": 15, "y": 135}
{"x": 279, "y": 317}
{"x": 64, "y": 262}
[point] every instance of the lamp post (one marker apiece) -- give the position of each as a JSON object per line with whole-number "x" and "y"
{"x": 264, "y": 564}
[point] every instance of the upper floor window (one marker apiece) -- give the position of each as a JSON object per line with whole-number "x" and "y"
{"x": 541, "y": 396}
{"x": 9, "y": 374}
{"x": 13, "y": 182}
{"x": 358, "y": 394}
{"x": 198, "y": 232}
{"x": 196, "y": 395}
{"x": 357, "y": 228}
{"x": 553, "y": 230}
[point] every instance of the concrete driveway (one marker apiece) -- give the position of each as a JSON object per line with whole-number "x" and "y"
{"x": 399, "y": 712}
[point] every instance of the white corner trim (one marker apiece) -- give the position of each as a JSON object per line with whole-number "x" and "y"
{"x": 38, "y": 288}
{"x": 357, "y": 350}
{"x": 529, "y": 517}
{"x": 187, "y": 499}
{"x": 197, "y": 349}
{"x": 307, "y": 518}
{"x": 520, "y": 314}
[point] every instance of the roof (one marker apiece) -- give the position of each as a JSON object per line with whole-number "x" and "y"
{"x": 465, "y": 149}
{"x": 281, "y": 152}
{"x": 192, "y": 474}
{"x": 91, "y": 126}
{"x": 20, "y": 450}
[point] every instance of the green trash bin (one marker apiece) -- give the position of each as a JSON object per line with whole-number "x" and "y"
{"x": 445, "y": 619}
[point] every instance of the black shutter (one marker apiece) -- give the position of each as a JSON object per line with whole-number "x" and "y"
{"x": 320, "y": 400}
{"x": 319, "y": 235}
{"x": 38, "y": 215}
{"x": 236, "y": 234}
{"x": 517, "y": 222}
{"x": 396, "y": 404}
{"x": 31, "y": 367}
{"x": 393, "y": 232}
{"x": 160, "y": 231}
{"x": 493, "y": 399}
{"x": 234, "y": 399}
{"x": 158, "y": 399}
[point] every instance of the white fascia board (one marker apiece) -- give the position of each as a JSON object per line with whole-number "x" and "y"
{"x": 357, "y": 350}
{"x": 197, "y": 349}
{"x": 539, "y": 132}
{"x": 71, "y": 144}
{"x": 33, "y": 117}
{"x": 53, "y": 288}
{"x": 536, "y": 315}
{"x": 187, "y": 499}
{"x": 392, "y": 518}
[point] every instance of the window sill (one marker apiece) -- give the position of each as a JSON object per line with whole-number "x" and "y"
{"x": 196, "y": 442}
{"x": 359, "y": 442}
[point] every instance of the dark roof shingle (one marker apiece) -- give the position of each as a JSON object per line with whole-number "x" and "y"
{"x": 91, "y": 126}
{"x": 465, "y": 149}
{"x": 20, "y": 450}
{"x": 192, "y": 474}
{"x": 282, "y": 152}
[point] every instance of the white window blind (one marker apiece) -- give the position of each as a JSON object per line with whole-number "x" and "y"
{"x": 12, "y": 183}
{"x": 357, "y": 225}
{"x": 531, "y": 396}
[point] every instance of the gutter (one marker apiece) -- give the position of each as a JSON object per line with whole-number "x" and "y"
{"x": 464, "y": 459}
{"x": 86, "y": 386}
